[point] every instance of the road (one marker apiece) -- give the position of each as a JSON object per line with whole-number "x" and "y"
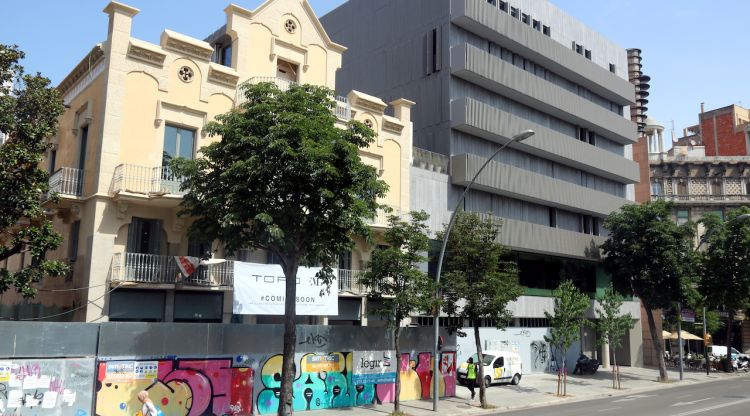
{"x": 720, "y": 398}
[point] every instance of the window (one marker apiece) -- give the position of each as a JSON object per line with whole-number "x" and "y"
{"x": 682, "y": 188}
{"x": 514, "y": 12}
{"x": 747, "y": 188}
{"x": 596, "y": 226}
{"x": 579, "y": 49}
{"x": 546, "y": 30}
{"x": 272, "y": 258}
{"x": 719, "y": 213}
{"x": 499, "y": 363}
{"x": 145, "y": 236}
{"x": 198, "y": 248}
{"x": 52, "y": 161}
{"x": 345, "y": 260}
{"x": 683, "y": 216}
{"x": 583, "y": 134}
{"x": 585, "y": 224}
{"x": 612, "y": 68}
{"x": 525, "y": 18}
{"x": 178, "y": 142}
{"x": 82, "y": 148}
{"x": 553, "y": 217}
{"x": 592, "y": 138}
{"x": 657, "y": 188}
{"x": 433, "y": 48}
{"x": 503, "y": 5}
{"x": 716, "y": 188}
{"x": 587, "y": 54}
{"x": 286, "y": 71}
{"x": 225, "y": 55}
{"x": 537, "y": 25}
{"x": 75, "y": 229}
{"x": 492, "y": 2}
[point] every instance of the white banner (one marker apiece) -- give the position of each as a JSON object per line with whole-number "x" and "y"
{"x": 374, "y": 367}
{"x": 259, "y": 289}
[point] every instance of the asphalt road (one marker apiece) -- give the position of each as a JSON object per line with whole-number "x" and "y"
{"x": 720, "y": 398}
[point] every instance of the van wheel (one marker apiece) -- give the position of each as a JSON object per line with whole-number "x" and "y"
{"x": 516, "y": 380}
{"x": 487, "y": 381}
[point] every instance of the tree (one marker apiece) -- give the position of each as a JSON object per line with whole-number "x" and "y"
{"x": 612, "y": 325}
{"x": 725, "y": 266}
{"x": 283, "y": 178}
{"x": 565, "y": 325}
{"x": 649, "y": 256}
{"x": 478, "y": 283}
{"x": 395, "y": 282}
{"x": 29, "y": 109}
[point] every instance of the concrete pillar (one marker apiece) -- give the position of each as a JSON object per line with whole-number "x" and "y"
{"x": 363, "y": 312}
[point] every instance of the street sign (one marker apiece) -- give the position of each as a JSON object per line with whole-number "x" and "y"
{"x": 688, "y": 315}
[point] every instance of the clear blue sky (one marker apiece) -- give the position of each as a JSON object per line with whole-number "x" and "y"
{"x": 693, "y": 50}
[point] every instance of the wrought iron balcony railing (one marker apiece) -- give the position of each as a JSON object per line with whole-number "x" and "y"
{"x": 156, "y": 269}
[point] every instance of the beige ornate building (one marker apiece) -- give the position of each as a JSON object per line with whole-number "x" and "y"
{"x": 132, "y": 105}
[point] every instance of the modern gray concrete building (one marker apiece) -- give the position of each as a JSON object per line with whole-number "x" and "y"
{"x": 480, "y": 72}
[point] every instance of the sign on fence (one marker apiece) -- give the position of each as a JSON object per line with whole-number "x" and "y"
{"x": 259, "y": 289}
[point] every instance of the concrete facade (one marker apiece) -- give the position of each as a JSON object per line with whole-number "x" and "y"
{"x": 118, "y": 201}
{"x": 482, "y": 72}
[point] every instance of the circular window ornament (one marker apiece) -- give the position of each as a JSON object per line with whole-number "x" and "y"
{"x": 290, "y": 26}
{"x": 186, "y": 74}
{"x": 368, "y": 123}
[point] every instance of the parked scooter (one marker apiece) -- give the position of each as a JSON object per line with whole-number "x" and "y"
{"x": 743, "y": 364}
{"x": 586, "y": 365}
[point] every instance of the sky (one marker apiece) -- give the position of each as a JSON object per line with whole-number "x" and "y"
{"x": 693, "y": 50}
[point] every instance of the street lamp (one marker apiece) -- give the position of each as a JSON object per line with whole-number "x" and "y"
{"x": 705, "y": 328}
{"x": 436, "y": 319}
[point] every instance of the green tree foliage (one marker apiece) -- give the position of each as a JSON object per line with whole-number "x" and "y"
{"x": 283, "y": 178}
{"x": 725, "y": 265}
{"x": 612, "y": 325}
{"x": 651, "y": 257}
{"x": 29, "y": 109}
{"x": 394, "y": 280}
{"x": 565, "y": 324}
{"x": 477, "y": 282}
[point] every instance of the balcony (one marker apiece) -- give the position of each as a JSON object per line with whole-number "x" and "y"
{"x": 349, "y": 282}
{"x": 138, "y": 183}
{"x": 156, "y": 269}
{"x": 381, "y": 217}
{"x": 66, "y": 182}
{"x": 702, "y": 199}
{"x": 343, "y": 110}
{"x": 425, "y": 159}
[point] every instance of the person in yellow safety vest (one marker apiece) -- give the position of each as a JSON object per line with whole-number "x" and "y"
{"x": 471, "y": 376}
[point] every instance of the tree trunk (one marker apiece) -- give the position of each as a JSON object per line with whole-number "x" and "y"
{"x": 397, "y": 346}
{"x": 565, "y": 373}
{"x": 657, "y": 344}
{"x": 616, "y": 380}
{"x": 290, "y": 339}
{"x": 480, "y": 365}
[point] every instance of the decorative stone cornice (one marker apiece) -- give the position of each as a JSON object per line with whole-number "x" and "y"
{"x": 392, "y": 125}
{"x": 186, "y": 45}
{"x": 367, "y": 102}
{"x": 223, "y": 75}
{"x": 82, "y": 69}
{"x": 146, "y": 52}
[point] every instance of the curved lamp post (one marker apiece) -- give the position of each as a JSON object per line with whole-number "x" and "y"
{"x": 436, "y": 319}
{"x": 705, "y": 329}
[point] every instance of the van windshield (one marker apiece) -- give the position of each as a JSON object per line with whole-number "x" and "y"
{"x": 486, "y": 358}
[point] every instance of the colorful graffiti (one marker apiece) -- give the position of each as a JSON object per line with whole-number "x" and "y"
{"x": 324, "y": 381}
{"x": 59, "y": 387}
{"x": 179, "y": 387}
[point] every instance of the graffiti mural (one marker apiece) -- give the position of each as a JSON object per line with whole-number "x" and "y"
{"x": 539, "y": 356}
{"x": 179, "y": 387}
{"x": 324, "y": 381}
{"x": 58, "y": 387}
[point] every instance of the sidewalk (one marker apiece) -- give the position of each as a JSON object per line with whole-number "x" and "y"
{"x": 537, "y": 390}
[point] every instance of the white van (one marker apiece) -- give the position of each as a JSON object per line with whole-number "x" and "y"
{"x": 720, "y": 350}
{"x": 499, "y": 367}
